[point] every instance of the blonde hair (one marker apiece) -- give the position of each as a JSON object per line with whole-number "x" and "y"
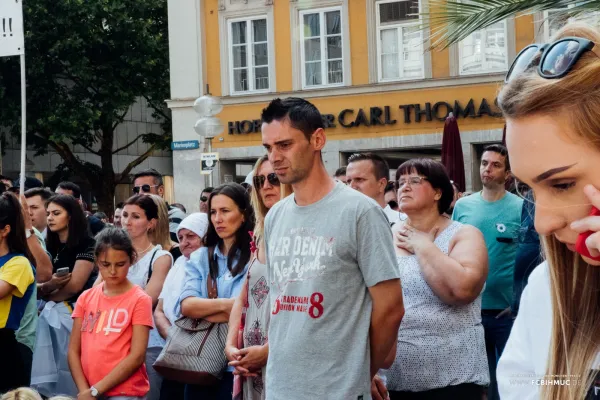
{"x": 575, "y": 337}
{"x": 23, "y": 393}
{"x": 260, "y": 210}
{"x": 161, "y": 234}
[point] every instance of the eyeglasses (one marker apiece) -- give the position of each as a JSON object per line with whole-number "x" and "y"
{"x": 556, "y": 59}
{"x": 203, "y": 199}
{"x": 412, "y": 181}
{"x": 145, "y": 188}
{"x": 259, "y": 180}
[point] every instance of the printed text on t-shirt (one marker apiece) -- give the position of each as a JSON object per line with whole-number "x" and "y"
{"x": 312, "y": 305}
{"x": 116, "y": 320}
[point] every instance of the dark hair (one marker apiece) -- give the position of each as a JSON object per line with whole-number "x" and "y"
{"x": 145, "y": 203}
{"x": 180, "y": 206}
{"x": 390, "y": 187}
{"x": 380, "y": 166}
{"x": 72, "y": 187}
{"x": 207, "y": 189}
{"x": 78, "y": 224}
{"x": 500, "y": 149}
{"x": 436, "y": 175}
{"x": 116, "y": 239}
{"x": 301, "y": 114}
{"x": 340, "y": 172}
{"x": 5, "y": 178}
{"x": 44, "y": 193}
{"x": 238, "y": 194}
{"x": 120, "y": 205}
{"x": 158, "y": 179}
{"x": 11, "y": 214}
{"x": 100, "y": 215}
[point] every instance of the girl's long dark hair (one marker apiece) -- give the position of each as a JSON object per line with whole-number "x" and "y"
{"x": 238, "y": 194}
{"x": 78, "y": 225}
{"x": 11, "y": 214}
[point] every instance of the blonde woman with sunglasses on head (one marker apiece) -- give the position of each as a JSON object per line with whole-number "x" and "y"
{"x": 551, "y": 102}
{"x": 247, "y": 346}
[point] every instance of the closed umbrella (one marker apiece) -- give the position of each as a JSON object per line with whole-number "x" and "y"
{"x": 452, "y": 155}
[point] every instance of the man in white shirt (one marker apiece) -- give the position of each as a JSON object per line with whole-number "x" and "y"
{"x": 368, "y": 173}
{"x": 36, "y": 200}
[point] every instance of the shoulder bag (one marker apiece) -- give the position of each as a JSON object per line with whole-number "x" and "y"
{"x": 195, "y": 349}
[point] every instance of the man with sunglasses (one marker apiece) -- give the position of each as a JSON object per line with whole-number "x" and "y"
{"x": 334, "y": 281}
{"x": 204, "y": 196}
{"x": 150, "y": 181}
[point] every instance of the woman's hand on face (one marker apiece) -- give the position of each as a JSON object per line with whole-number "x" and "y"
{"x": 590, "y": 223}
{"x": 411, "y": 239}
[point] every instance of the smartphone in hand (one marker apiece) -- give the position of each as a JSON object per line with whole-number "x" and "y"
{"x": 580, "y": 244}
{"x": 62, "y": 271}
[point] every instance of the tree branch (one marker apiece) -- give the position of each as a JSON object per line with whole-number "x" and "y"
{"x": 72, "y": 161}
{"x": 135, "y": 163}
{"x": 127, "y": 145}
{"x": 120, "y": 119}
{"x": 157, "y": 109}
{"x": 90, "y": 150}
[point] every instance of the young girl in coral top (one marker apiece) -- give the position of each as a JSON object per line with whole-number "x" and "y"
{"x": 111, "y": 326}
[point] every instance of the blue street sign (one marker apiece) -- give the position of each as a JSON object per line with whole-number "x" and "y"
{"x": 185, "y": 145}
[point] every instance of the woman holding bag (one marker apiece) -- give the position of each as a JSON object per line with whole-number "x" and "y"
{"x": 223, "y": 260}
{"x": 247, "y": 347}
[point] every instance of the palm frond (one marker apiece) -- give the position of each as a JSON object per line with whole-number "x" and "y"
{"x": 451, "y": 21}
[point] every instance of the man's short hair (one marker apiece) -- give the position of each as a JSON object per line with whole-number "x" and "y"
{"x": 72, "y": 187}
{"x": 100, "y": 215}
{"x": 158, "y": 179}
{"x": 341, "y": 171}
{"x": 180, "y": 206}
{"x": 390, "y": 187}
{"x": 301, "y": 114}
{"x": 120, "y": 205}
{"x": 44, "y": 193}
{"x": 500, "y": 149}
{"x": 380, "y": 166}
{"x": 5, "y": 178}
{"x": 207, "y": 189}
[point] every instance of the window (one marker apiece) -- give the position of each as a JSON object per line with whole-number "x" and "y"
{"x": 249, "y": 55}
{"x": 484, "y": 51}
{"x": 399, "y": 41}
{"x": 322, "y": 48}
{"x": 556, "y": 19}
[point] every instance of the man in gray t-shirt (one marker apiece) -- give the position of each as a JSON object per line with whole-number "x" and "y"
{"x": 335, "y": 293}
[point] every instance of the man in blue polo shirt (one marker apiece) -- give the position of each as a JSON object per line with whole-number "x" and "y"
{"x": 497, "y": 214}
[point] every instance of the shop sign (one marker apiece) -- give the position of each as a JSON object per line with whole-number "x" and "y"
{"x": 375, "y": 116}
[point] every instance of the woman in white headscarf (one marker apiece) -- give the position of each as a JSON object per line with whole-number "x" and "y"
{"x": 190, "y": 233}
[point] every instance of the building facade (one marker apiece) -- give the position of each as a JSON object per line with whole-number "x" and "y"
{"x": 364, "y": 63}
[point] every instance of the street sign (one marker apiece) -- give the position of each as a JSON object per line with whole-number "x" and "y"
{"x": 209, "y": 162}
{"x": 184, "y": 144}
{"x": 12, "y": 42}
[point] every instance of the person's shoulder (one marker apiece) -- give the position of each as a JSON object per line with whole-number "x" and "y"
{"x": 18, "y": 261}
{"x": 139, "y": 294}
{"x": 514, "y": 199}
{"x": 278, "y": 207}
{"x": 473, "y": 198}
{"x": 539, "y": 280}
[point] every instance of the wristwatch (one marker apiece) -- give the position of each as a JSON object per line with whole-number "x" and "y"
{"x": 28, "y": 233}
{"x": 94, "y": 391}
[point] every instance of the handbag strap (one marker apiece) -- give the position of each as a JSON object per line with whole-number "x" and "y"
{"x": 150, "y": 267}
{"x": 211, "y": 286}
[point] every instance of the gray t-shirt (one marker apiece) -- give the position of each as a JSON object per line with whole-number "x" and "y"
{"x": 321, "y": 260}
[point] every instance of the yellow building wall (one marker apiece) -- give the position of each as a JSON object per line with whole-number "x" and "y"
{"x": 359, "y": 42}
{"x": 213, "y": 51}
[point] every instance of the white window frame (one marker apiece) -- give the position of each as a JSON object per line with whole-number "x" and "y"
{"x": 546, "y": 22}
{"x": 398, "y": 26}
{"x": 486, "y": 71}
{"x": 249, "y": 55}
{"x": 323, "y": 39}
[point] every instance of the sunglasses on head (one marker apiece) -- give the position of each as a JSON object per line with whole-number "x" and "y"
{"x": 144, "y": 188}
{"x": 259, "y": 180}
{"x": 555, "y": 59}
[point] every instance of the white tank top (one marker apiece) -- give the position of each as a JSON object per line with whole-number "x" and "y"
{"x": 439, "y": 345}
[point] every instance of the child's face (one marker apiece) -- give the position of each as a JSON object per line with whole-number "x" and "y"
{"x": 114, "y": 266}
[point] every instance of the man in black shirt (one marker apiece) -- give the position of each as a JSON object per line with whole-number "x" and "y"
{"x": 72, "y": 189}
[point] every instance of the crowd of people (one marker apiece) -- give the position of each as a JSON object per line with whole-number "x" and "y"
{"x": 300, "y": 285}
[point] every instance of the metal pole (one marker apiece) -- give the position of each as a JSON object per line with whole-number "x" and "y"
{"x": 210, "y": 176}
{"x": 23, "y": 125}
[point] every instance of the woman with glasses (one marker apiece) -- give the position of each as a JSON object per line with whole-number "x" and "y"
{"x": 551, "y": 102}
{"x": 223, "y": 261}
{"x": 17, "y": 283}
{"x": 443, "y": 267}
{"x": 247, "y": 348}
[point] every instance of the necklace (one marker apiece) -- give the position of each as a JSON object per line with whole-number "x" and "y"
{"x": 58, "y": 254}
{"x": 144, "y": 252}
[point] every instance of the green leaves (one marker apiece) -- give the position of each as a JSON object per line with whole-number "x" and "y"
{"x": 450, "y": 21}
